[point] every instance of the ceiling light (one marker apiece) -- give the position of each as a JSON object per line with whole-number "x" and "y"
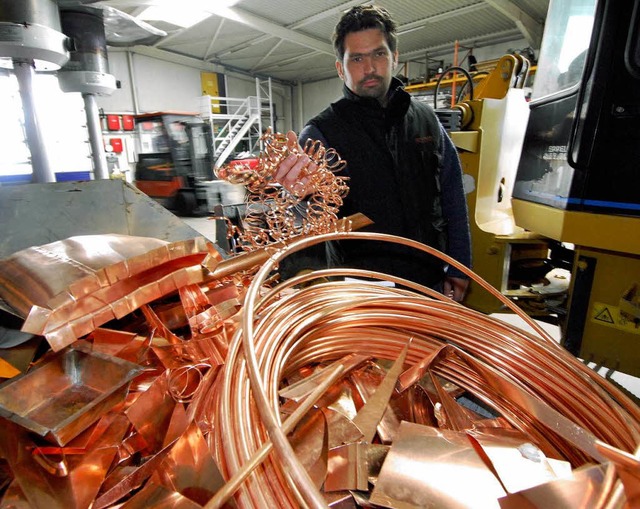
{"x": 184, "y": 14}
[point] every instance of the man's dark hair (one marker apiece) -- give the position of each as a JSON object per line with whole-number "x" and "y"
{"x": 363, "y": 17}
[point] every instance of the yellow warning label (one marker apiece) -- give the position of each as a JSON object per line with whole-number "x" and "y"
{"x": 610, "y": 316}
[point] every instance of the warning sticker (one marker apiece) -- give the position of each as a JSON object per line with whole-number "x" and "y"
{"x": 610, "y": 316}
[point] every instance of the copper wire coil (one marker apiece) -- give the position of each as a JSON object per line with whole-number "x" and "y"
{"x": 321, "y": 323}
{"x": 269, "y": 215}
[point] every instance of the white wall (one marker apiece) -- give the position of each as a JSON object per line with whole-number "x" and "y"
{"x": 161, "y": 85}
{"x": 316, "y": 97}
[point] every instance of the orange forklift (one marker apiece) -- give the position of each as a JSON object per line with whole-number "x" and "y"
{"x": 174, "y": 159}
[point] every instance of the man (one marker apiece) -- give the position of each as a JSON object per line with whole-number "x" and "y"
{"x": 404, "y": 172}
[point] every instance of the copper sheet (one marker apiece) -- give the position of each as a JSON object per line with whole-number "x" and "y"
{"x": 309, "y": 441}
{"x": 59, "y": 265}
{"x": 582, "y": 491}
{"x": 519, "y": 464}
{"x": 151, "y": 413}
{"x": 64, "y": 395}
{"x": 347, "y": 468}
{"x": 370, "y": 415}
{"x": 367, "y": 381}
{"x": 86, "y": 472}
{"x": 427, "y": 467}
{"x": 159, "y": 497}
{"x": 189, "y": 468}
{"x": 129, "y": 479}
{"x": 82, "y": 282}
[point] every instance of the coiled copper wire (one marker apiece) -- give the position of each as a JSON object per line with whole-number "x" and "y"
{"x": 275, "y": 214}
{"x": 525, "y": 376}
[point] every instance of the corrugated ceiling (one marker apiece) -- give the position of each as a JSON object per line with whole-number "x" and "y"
{"x": 289, "y": 40}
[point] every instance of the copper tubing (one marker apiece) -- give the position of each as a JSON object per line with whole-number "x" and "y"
{"x": 232, "y": 485}
{"x": 283, "y": 331}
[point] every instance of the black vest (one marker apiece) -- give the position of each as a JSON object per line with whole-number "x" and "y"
{"x": 393, "y": 168}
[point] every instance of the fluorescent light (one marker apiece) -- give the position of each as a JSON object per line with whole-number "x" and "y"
{"x": 185, "y": 13}
{"x": 180, "y": 16}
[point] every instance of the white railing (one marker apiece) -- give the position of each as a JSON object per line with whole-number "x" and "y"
{"x": 233, "y": 119}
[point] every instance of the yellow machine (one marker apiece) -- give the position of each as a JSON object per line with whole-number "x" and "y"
{"x": 489, "y": 140}
{"x": 563, "y": 170}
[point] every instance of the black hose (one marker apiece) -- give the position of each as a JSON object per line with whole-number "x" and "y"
{"x": 473, "y": 77}
{"x": 447, "y": 71}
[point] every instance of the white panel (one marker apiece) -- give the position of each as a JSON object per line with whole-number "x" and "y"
{"x": 165, "y": 86}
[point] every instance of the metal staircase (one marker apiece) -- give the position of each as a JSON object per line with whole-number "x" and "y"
{"x": 235, "y": 120}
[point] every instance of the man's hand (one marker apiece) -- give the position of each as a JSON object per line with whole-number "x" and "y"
{"x": 294, "y": 169}
{"x": 455, "y": 288}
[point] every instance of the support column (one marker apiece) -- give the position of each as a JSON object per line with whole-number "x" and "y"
{"x": 42, "y": 172}
{"x": 100, "y": 169}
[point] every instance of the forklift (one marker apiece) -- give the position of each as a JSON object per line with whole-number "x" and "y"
{"x": 175, "y": 159}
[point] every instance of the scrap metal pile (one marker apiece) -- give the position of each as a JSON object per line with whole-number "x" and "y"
{"x": 176, "y": 378}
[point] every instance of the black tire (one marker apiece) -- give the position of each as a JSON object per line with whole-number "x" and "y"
{"x": 186, "y": 203}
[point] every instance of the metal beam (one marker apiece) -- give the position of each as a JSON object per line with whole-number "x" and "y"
{"x": 530, "y": 28}
{"x": 213, "y": 40}
{"x": 293, "y": 26}
{"x": 268, "y": 27}
{"x": 443, "y": 49}
{"x": 422, "y": 23}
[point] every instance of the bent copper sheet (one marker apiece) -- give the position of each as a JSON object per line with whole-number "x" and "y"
{"x": 86, "y": 472}
{"x": 151, "y": 413}
{"x": 370, "y": 415}
{"x": 54, "y": 267}
{"x": 159, "y": 497}
{"x": 309, "y": 441}
{"x": 427, "y": 467}
{"x": 582, "y": 491}
{"x": 67, "y": 392}
{"x": 366, "y": 382}
{"x": 72, "y": 268}
{"x": 68, "y": 288}
{"x": 519, "y": 464}
{"x": 189, "y": 468}
{"x": 347, "y": 468}
{"x": 64, "y": 325}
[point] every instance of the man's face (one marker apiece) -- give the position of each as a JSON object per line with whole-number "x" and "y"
{"x": 368, "y": 64}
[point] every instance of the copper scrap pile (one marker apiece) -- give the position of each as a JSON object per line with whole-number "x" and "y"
{"x": 175, "y": 378}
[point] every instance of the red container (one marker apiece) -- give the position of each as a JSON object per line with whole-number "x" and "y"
{"x": 113, "y": 122}
{"x": 116, "y": 145}
{"x": 127, "y": 122}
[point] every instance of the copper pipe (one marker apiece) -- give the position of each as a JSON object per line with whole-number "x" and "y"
{"x": 329, "y": 320}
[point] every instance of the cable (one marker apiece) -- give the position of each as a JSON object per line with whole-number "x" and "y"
{"x": 444, "y": 73}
